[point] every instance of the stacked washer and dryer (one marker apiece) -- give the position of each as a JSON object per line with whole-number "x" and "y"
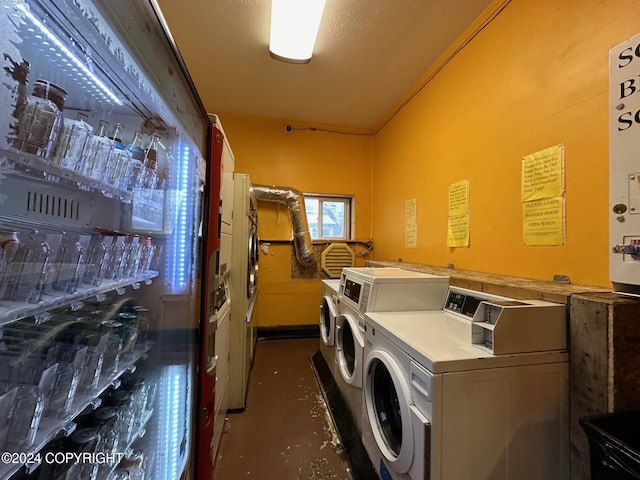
{"x": 243, "y": 284}
{"x": 478, "y": 390}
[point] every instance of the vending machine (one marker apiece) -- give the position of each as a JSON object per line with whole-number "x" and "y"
{"x": 104, "y": 148}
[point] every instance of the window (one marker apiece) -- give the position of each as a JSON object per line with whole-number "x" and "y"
{"x": 329, "y": 217}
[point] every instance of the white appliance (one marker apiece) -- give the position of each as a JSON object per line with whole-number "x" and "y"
{"x": 243, "y": 280}
{"x": 364, "y": 290}
{"x": 328, "y": 317}
{"x": 438, "y": 404}
{"x": 624, "y": 171}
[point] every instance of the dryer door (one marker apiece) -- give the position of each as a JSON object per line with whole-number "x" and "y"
{"x": 349, "y": 349}
{"x": 327, "y": 320}
{"x": 252, "y": 260}
{"x": 391, "y": 415}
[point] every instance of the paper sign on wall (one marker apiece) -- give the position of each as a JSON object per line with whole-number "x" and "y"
{"x": 543, "y": 203}
{"x": 410, "y": 224}
{"x": 458, "y": 222}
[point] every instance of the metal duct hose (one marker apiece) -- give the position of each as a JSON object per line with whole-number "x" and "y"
{"x": 294, "y": 200}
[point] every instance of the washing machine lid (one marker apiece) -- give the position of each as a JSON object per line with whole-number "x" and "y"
{"x": 436, "y": 340}
{"x": 332, "y": 285}
{"x": 390, "y": 275}
{"x": 391, "y": 289}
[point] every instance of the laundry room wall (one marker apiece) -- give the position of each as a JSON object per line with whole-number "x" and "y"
{"x": 534, "y": 77}
{"x": 311, "y": 161}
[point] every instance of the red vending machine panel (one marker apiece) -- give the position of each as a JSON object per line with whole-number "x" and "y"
{"x": 211, "y": 302}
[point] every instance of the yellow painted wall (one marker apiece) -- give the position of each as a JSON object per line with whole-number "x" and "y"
{"x": 535, "y": 77}
{"x": 311, "y": 161}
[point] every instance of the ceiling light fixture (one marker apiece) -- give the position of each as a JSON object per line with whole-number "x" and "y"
{"x": 294, "y": 28}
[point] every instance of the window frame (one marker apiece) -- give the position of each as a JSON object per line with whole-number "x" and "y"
{"x": 349, "y": 202}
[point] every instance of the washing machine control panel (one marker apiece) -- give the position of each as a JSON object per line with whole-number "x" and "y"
{"x": 462, "y": 303}
{"x": 502, "y": 325}
{"x": 364, "y": 298}
{"x": 352, "y": 290}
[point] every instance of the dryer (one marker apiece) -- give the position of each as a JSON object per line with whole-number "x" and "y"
{"x": 243, "y": 280}
{"x": 364, "y": 290}
{"x": 439, "y": 403}
{"x": 328, "y": 317}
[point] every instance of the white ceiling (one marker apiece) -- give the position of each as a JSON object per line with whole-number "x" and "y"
{"x": 368, "y": 56}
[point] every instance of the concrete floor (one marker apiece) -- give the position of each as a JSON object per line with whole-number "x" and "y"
{"x": 286, "y": 431}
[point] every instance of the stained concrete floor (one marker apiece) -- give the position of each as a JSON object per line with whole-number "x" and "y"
{"x": 286, "y": 430}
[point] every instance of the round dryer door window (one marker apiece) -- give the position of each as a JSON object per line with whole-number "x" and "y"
{"x": 386, "y": 406}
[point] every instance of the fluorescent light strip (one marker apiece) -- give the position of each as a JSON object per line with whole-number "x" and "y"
{"x": 69, "y": 53}
{"x": 294, "y": 28}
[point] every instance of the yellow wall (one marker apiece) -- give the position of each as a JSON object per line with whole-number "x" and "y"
{"x": 311, "y": 161}
{"x": 535, "y": 77}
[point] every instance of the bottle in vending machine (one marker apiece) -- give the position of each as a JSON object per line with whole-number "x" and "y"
{"x": 69, "y": 263}
{"x": 74, "y": 142}
{"x": 98, "y": 155}
{"x": 121, "y": 160}
{"x": 151, "y": 163}
{"x": 137, "y": 162}
{"x": 26, "y": 274}
{"x": 40, "y": 119}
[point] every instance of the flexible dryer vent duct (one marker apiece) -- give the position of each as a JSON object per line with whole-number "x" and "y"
{"x": 294, "y": 200}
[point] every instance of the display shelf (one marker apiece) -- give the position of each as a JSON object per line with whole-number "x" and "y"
{"x": 11, "y": 311}
{"x": 33, "y": 165}
{"x": 51, "y": 427}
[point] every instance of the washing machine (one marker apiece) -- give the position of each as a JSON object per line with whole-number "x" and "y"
{"x": 328, "y": 316}
{"x": 364, "y": 290}
{"x": 440, "y": 403}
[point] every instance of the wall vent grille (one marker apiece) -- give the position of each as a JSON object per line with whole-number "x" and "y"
{"x": 335, "y": 257}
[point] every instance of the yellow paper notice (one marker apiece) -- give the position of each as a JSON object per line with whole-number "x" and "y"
{"x": 459, "y": 197}
{"x": 410, "y": 224}
{"x": 543, "y": 174}
{"x": 458, "y": 223}
{"x": 543, "y": 221}
{"x": 458, "y": 231}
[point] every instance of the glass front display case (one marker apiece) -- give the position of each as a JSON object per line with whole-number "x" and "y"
{"x": 101, "y": 144}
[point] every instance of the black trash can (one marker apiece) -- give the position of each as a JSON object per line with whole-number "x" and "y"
{"x": 614, "y": 445}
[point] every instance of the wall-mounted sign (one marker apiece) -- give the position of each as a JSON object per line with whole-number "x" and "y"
{"x": 410, "y": 224}
{"x": 458, "y": 222}
{"x": 543, "y": 209}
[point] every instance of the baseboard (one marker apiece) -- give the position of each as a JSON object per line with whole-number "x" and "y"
{"x": 288, "y": 331}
